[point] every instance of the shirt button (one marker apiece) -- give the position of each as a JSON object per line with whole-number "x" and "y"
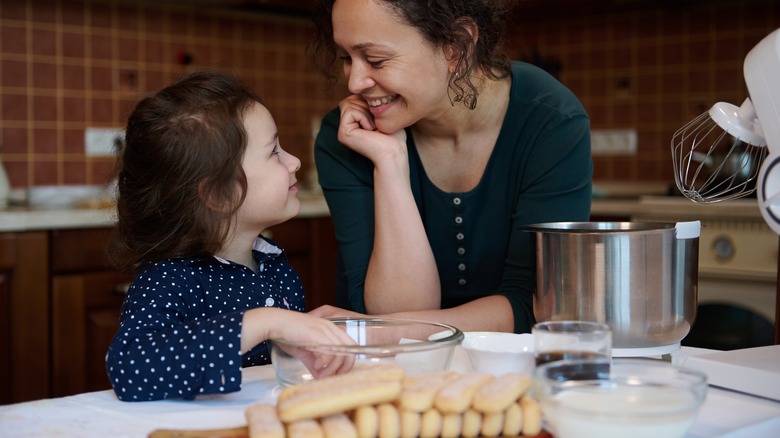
{"x": 456, "y": 201}
{"x": 461, "y": 266}
{"x": 269, "y": 302}
{"x": 461, "y": 250}
{"x": 460, "y": 236}
{"x": 458, "y": 219}
{"x": 462, "y": 281}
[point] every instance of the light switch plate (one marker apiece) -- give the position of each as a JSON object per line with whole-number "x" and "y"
{"x": 100, "y": 141}
{"x": 613, "y": 141}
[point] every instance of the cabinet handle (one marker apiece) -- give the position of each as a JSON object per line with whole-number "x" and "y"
{"x": 121, "y": 288}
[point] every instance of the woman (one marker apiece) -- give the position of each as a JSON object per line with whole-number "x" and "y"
{"x": 440, "y": 156}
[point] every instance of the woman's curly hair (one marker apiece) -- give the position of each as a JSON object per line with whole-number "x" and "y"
{"x": 442, "y": 23}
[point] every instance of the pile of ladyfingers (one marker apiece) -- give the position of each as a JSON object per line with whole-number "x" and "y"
{"x": 380, "y": 401}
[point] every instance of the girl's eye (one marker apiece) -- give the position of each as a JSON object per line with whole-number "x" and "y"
{"x": 276, "y": 150}
{"x": 375, "y": 64}
{"x": 345, "y": 59}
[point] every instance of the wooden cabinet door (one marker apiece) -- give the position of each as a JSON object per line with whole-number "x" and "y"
{"x": 310, "y": 244}
{"x": 85, "y": 317}
{"x": 24, "y": 316}
{"x": 323, "y": 263}
{"x": 5, "y": 337}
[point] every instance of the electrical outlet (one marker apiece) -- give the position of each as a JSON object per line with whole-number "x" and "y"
{"x": 101, "y": 141}
{"x": 613, "y": 141}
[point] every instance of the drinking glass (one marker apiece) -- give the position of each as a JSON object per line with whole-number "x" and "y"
{"x": 570, "y": 340}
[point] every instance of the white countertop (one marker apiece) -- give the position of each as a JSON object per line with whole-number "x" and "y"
{"x": 314, "y": 205}
{"x": 29, "y": 219}
{"x": 100, "y": 414}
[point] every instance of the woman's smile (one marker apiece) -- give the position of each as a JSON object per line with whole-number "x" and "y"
{"x": 379, "y": 105}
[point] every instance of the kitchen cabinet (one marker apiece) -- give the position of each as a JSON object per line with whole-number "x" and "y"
{"x": 310, "y": 245}
{"x": 24, "y": 322}
{"x": 86, "y": 295}
{"x": 60, "y": 302}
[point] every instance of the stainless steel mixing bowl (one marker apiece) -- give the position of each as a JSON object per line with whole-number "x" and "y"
{"x": 640, "y": 278}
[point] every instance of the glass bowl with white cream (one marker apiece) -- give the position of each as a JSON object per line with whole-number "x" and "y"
{"x": 618, "y": 398}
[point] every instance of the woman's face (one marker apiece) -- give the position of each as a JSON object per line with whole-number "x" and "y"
{"x": 271, "y": 196}
{"x": 399, "y": 74}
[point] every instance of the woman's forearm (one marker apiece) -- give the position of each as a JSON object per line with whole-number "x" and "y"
{"x": 402, "y": 273}
{"x": 491, "y": 313}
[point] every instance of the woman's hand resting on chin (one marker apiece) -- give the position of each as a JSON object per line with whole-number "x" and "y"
{"x": 358, "y": 131}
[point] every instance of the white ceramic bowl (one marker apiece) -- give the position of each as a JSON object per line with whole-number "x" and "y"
{"x": 416, "y": 346}
{"x": 637, "y": 398}
{"x": 500, "y": 353}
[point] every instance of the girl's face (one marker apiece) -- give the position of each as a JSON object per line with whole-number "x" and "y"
{"x": 400, "y": 75}
{"x": 271, "y": 196}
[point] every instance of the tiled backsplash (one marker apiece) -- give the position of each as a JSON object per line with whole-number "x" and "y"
{"x": 67, "y": 65}
{"x": 646, "y": 65}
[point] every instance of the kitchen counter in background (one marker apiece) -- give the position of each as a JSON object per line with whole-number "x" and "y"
{"x": 621, "y": 207}
{"x": 28, "y": 219}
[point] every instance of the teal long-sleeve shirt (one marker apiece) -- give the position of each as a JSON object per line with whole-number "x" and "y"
{"x": 540, "y": 170}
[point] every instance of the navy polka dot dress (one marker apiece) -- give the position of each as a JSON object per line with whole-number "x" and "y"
{"x": 180, "y": 325}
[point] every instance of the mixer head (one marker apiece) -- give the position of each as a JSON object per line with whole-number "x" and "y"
{"x": 717, "y": 156}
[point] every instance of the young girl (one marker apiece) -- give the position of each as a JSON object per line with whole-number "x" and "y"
{"x": 201, "y": 174}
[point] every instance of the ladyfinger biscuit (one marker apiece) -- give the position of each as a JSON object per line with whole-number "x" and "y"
{"x": 451, "y": 425}
{"x": 262, "y": 421}
{"x": 315, "y": 404}
{"x": 498, "y": 394}
{"x": 389, "y": 421}
{"x": 430, "y": 424}
{"x": 410, "y": 424}
{"x": 383, "y": 371}
{"x": 338, "y": 426}
{"x": 532, "y": 416}
{"x": 492, "y": 424}
{"x": 456, "y": 396}
{"x": 304, "y": 429}
{"x": 513, "y": 420}
{"x": 420, "y": 391}
{"x": 366, "y": 421}
{"x": 472, "y": 424}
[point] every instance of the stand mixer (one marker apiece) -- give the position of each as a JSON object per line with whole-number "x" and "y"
{"x": 730, "y": 152}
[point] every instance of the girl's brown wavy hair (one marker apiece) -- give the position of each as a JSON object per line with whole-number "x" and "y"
{"x": 441, "y": 23}
{"x": 179, "y": 173}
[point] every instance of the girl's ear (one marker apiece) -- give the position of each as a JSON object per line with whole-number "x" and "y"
{"x": 469, "y": 35}
{"x": 212, "y": 200}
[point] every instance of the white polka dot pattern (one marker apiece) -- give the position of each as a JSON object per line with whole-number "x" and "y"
{"x": 180, "y": 325}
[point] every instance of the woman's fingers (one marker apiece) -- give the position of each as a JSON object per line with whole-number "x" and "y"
{"x": 355, "y": 114}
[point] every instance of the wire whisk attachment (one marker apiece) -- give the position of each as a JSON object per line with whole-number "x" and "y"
{"x": 717, "y": 155}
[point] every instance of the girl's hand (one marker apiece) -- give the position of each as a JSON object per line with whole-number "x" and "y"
{"x": 299, "y": 327}
{"x": 358, "y": 131}
{"x": 307, "y": 328}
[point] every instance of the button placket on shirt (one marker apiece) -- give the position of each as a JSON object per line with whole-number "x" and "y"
{"x": 460, "y": 242}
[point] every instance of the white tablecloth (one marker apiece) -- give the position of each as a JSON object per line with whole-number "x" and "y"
{"x": 100, "y": 414}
